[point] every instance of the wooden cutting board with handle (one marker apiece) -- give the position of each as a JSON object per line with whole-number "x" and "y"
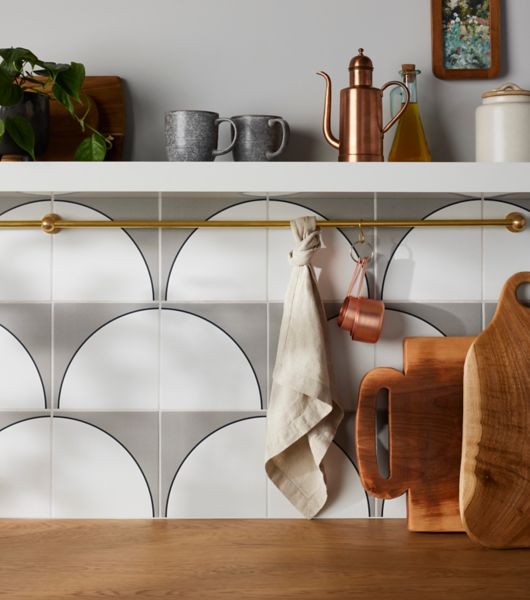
{"x": 425, "y": 431}
{"x": 495, "y": 475}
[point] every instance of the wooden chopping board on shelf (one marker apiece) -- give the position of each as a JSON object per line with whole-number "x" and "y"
{"x": 108, "y": 116}
{"x": 495, "y": 476}
{"x": 425, "y": 431}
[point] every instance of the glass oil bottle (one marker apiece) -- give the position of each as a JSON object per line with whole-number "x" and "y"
{"x": 410, "y": 143}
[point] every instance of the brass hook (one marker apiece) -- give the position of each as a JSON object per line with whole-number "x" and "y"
{"x": 361, "y": 239}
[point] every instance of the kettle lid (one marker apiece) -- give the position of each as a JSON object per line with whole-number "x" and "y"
{"x": 361, "y": 61}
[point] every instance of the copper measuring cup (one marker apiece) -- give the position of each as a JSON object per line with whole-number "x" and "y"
{"x": 362, "y": 317}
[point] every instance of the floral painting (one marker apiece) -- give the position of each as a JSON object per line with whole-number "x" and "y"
{"x": 466, "y": 34}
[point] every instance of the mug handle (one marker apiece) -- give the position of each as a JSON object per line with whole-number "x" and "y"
{"x": 365, "y": 434}
{"x": 285, "y": 137}
{"x": 231, "y": 145}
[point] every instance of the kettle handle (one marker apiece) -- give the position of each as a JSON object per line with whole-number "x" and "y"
{"x": 400, "y": 112}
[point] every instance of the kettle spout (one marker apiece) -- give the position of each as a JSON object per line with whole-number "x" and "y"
{"x": 326, "y": 125}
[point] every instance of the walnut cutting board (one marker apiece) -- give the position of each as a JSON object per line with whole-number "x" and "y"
{"x": 108, "y": 116}
{"x": 495, "y": 475}
{"x": 425, "y": 431}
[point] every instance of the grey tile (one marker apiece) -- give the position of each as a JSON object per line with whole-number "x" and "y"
{"x": 454, "y": 319}
{"x": 182, "y": 432}
{"x": 489, "y": 312}
{"x": 189, "y": 207}
{"x": 137, "y": 432}
{"x": 9, "y": 200}
{"x": 518, "y": 200}
{"x": 398, "y": 207}
{"x": 128, "y": 206}
{"x": 30, "y": 324}
{"x": 245, "y": 323}
{"x": 74, "y": 324}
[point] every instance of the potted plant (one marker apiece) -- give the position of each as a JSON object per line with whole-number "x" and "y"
{"x": 26, "y": 85}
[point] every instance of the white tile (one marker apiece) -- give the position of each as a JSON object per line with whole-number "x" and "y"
{"x": 94, "y": 476}
{"x": 20, "y": 382}
{"x": 223, "y": 264}
{"x": 333, "y": 264}
{"x": 351, "y": 361}
{"x": 25, "y": 469}
{"x": 397, "y": 326}
{"x": 25, "y": 256}
{"x": 346, "y": 496}
{"x": 439, "y": 264}
{"x": 95, "y": 264}
{"x": 117, "y": 367}
{"x": 505, "y": 253}
{"x": 202, "y": 368}
{"x": 224, "y": 476}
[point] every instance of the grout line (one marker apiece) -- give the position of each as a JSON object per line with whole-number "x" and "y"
{"x": 482, "y": 274}
{"x": 159, "y": 358}
{"x": 267, "y": 384}
{"x": 51, "y": 399}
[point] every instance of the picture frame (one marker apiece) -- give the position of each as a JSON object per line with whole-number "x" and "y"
{"x": 466, "y": 38}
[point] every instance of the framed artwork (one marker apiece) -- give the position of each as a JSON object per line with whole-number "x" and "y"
{"x": 466, "y": 39}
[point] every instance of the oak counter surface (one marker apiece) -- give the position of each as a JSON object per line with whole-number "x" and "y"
{"x": 251, "y": 559}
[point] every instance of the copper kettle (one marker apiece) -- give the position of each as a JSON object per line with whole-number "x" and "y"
{"x": 361, "y": 113}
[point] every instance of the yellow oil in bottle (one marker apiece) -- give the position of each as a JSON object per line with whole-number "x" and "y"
{"x": 409, "y": 142}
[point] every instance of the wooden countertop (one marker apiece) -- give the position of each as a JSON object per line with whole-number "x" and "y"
{"x": 246, "y": 560}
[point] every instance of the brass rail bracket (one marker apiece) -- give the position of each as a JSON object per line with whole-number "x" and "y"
{"x": 49, "y": 223}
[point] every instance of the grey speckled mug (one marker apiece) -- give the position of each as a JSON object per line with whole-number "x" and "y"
{"x": 192, "y": 135}
{"x": 260, "y": 137}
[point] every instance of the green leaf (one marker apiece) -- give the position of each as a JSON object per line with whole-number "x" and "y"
{"x": 15, "y": 58}
{"x": 52, "y": 66}
{"x": 21, "y": 132}
{"x": 72, "y": 79}
{"x": 61, "y": 96}
{"x": 2, "y": 128}
{"x": 92, "y": 148}
{"x": 10, "y": 94}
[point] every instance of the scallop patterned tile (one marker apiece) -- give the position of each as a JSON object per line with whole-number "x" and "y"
{"x": 94, "y": 474}
{"x": 440, "y": 264}
{"x": 96, "y": 264}
{"x": 223, "y": 264}
{"x": 223, "y": 475}
{"x": 203, "y": 367}
{"x": 25, "y": 256}
{"x": 25, "y": 468}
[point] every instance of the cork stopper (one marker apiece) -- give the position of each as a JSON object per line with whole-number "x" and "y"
{"x": 407, "y": 67}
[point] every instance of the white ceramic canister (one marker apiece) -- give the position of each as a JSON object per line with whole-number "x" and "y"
{"x": 503, "y": 125}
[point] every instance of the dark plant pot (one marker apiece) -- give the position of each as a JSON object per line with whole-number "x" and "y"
{"x": 36, "y": 108}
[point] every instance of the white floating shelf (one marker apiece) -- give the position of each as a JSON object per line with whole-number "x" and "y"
{"x": 273, "y": 178}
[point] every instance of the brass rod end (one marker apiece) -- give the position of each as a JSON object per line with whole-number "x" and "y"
{"x": 518, "y": 222}
{"x": 48, "y": 223}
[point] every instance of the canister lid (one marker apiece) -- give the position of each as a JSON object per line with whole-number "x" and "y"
{"x": 508, "y": 89}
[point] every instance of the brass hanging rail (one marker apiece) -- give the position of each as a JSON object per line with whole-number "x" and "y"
{"x": 53, "y": 223}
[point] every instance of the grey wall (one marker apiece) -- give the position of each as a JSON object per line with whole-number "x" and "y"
{"x": 255, "y": 56}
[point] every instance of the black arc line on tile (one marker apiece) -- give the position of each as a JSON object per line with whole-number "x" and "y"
{"x": 228, "y": 425}
{"x": 33, "y": 361}
{"x": 96, "y": 427}
{"x": 57, "y": 200}
{"x": 248, "y": 202}
{"x": 139, "y": 310}
{"x": 357, "y": 471}
{"x": 412, "y": 229}
{"x": 187, "y": 312}
{"x": 197, "y": 445}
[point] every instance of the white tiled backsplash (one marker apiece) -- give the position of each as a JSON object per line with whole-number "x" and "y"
{"x": 136, "y": 365}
